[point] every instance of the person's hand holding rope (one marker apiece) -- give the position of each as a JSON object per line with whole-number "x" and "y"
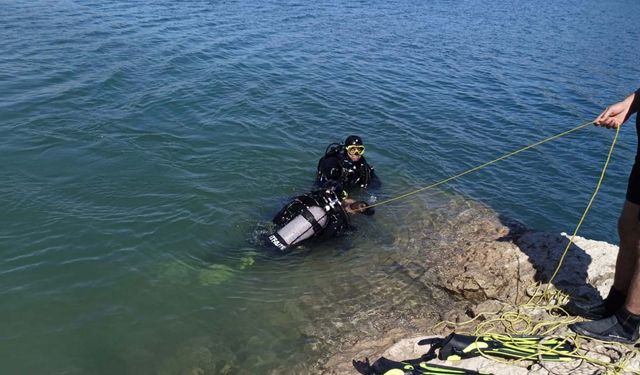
{"x": 616, "y": 114}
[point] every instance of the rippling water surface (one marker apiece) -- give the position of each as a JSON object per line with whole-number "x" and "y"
{"x": 146, "y": 145}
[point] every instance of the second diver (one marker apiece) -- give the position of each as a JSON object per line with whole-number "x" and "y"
{"x": 320, "y": 213}
{"x": 346, "y": 164}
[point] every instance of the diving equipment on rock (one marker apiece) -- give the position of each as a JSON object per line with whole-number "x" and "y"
{"x": 384, "y": 366}
{"x": 455, "y": 347}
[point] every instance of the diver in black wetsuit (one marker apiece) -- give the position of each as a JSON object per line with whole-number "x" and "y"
{"x": 320, "y": 213}
{"x": 346, "y": 165}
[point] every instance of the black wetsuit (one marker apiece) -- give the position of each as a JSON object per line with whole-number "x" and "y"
{"x": 335, "y": 165}
{"x": 633, "y": 188}
{"x": 337, "y": 219}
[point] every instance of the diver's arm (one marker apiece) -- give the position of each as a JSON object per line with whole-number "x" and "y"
{"x": 329, "y": 170}
{"x": 376, "y": 183}
{"x": 373, "y": 180}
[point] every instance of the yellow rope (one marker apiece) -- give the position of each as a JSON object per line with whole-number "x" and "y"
{"x": 584, "y": 214}
{"x": 517, "y": 322}
{"x": 484, "y": 165}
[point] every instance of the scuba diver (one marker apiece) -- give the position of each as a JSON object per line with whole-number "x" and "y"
{"x": 320, "y": 213}
{"x": 346, "y": 165}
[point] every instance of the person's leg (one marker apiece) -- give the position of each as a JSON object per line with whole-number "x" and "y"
{"x": 628, "y": 265}
{"x": 627, "y": 260}
{"x": 624, "y": 325}
{"x": 625, "y": 267}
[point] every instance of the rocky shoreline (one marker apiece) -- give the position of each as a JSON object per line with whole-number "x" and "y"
{"x": 444, "y": 266}
{"x": 493, "y": 265}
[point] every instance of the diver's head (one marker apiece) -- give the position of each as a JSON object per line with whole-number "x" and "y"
{"x": 354, "y": 147}
{"x": 332, "y": 186}
{"x": 360, "y": 207}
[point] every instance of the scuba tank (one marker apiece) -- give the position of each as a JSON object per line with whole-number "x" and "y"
{"x": 310, "y": 215}
{"x": 311, "y": 221}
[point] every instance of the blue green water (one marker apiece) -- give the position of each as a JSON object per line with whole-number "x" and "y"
{"x": 145, "y": 144}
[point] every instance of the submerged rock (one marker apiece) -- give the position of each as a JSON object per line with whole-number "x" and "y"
{"x": 199, "y": 356}
{"x": 174, "y": 273}
{"x": 215, "y": 274}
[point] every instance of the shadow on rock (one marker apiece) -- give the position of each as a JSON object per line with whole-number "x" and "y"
{"x": 586, "y": 263}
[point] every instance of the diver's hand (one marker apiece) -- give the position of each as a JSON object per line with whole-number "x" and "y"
{"x": 616, "y": 114}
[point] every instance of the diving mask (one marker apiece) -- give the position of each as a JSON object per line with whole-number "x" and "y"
{"x": 355, "y": 150}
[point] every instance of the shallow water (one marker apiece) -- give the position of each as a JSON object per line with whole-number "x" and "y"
{"x": 144, "y": 147}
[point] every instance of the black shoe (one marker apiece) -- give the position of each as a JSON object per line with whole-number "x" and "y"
{"x": 614, "y": 301}
{"x": 621, "y": 327}
{"x": 594, "y": 312}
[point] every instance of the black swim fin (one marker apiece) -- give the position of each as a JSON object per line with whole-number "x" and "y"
{"x": 455, "y": 347}
{"x": 384, "y": 366}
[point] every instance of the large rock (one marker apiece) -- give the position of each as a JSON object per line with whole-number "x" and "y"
{"x": 487, "y": 270}
{"x": 586, "y": 271}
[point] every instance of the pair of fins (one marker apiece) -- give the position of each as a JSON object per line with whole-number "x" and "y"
{"x": 385, "y": 366}
{"x": 456, "y": 347}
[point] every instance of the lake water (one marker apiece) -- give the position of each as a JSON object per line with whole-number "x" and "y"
{"x": 145, "y": 145}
